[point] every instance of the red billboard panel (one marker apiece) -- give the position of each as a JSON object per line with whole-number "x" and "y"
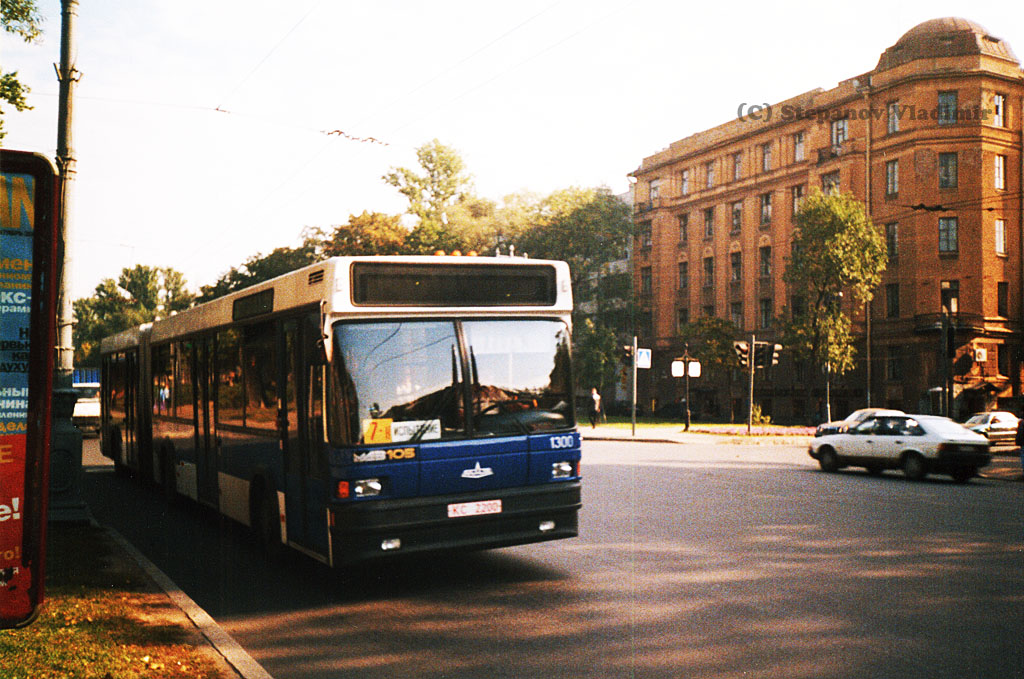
{"x": 28, "y": 219}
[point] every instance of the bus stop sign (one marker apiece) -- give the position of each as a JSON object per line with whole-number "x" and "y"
{"x": 28, "y": 209}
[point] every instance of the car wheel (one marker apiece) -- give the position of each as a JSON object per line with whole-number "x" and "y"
{"x": 828, "y": 460}
{"x": 914, "y": 467}
{"x": 963, "y": 474}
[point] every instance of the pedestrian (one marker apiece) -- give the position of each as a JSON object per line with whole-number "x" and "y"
{"x": 595, "y": 407}
{"x": 1019, "y": 439}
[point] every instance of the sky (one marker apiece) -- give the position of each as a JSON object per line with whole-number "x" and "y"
{"x": 202, "y": 129}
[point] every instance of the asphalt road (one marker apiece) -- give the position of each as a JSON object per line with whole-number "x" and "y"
{"x": 693, "y": 561}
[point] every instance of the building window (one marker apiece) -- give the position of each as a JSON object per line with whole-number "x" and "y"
{"x": 948, "y": 235}
{"x": 893, "y": 364}
{"x": 765, "y": 261}
{"x": 892, "y": 300}
{"x": 1003, "y": 299}
{"x": 892, "y": 117}
{"x": 999, "y": 110}
{"x": 736, "y": 314}
{"x": 708, "y": 310}
{"x": 737, "y": 165}
{"x": 645, "y": 235}
{"x": 737, "y": 216}
{"x": 766, "y": 157}
{"x": 947, "y": 108}
{"x": 709, "y": 222}
{"x": 684, "y": 182}
{"x": 684, "y": 276}
{"x": 1000, "y": 176}
{"x": 892, "y": 177}
{"x": 1000, "y": 236}
{"x": 1003, "y": 359}
{"x": 830, "y": 183}
{"x": 840, "y": 131}
{"x": 646, "y": 282}
{"x": 709, "y": 174}
{"x": 682, "y": 318}
{"x": 948, "y": 174}
{"x": 684, "y": 228}
{"x": 654, "y": 188}
{"x": 796, "y": 193}
{"x": 949, "y": 297}
{"x": 736, "y": 265}
{"x": 798, "y": 146}
{"x": 892, "y": 241}
{"x": 766, "y": 208}
{"x": 709, "y": 272}
{"x": 765, "y": 313}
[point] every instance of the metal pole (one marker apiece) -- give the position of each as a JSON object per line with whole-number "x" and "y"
{"x": 634, "y": 386}
{"x": 750, "y": 393}
{"x": 686, "y": 367}
{"x": 66, "y": 502}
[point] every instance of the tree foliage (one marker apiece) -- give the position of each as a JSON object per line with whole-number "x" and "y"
{"x": 837, "y": 251}
{"x": 371, "y": 233}
{"x": 139, "y": 295}
{"x": 21, "y": 18}
{"x": 441, "y": 184}
{"x": 259, "y": 268}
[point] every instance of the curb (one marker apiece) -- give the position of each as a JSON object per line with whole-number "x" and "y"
{"x": 222, "y": 642}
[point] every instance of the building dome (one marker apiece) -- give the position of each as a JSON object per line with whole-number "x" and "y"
{"x": 947, "y": 37}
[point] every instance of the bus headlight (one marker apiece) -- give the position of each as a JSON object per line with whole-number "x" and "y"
{"x": 561, "y": 470}
{"x": 366, "y": 488}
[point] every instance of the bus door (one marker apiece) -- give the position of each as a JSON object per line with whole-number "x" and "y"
{"x": 207, "y": 442}
{"x": 302, "y": 437}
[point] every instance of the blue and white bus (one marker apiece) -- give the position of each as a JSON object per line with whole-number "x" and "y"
{"x": 362, "y": 407}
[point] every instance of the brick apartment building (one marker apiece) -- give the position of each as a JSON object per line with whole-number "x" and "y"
{"x": 930, "y": 140}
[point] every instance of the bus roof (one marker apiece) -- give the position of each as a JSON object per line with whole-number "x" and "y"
{"x": 333, "y": 284}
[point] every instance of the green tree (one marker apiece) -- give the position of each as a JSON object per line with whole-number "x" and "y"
{"x": 709, "y": 340}
{"x": 596, "y": 356}
{"x": 259, "y": 268}
{"x": 21, "y": 18}
{"x": 371, "y": 233}
{"x": 432, "y": 193}
{"x": 836, "y": 251}
{"x": 139, "y": 295}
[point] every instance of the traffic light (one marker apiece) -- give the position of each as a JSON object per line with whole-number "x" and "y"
{"x": 742, "y": 350}
{"x": 760, "y": 355}
{"x": 627, "y": 353}
{"x": 776, "y": 348}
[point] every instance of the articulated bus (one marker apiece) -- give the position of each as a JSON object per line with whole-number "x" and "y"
{"x": 362, "y": 407}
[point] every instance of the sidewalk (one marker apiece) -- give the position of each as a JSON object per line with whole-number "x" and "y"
{"x": 1005, "y": 465}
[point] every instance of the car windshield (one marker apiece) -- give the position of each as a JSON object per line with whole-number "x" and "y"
{"x": 86, "y": 393}
{"x": 980, "y": 418}
{"x": 416, "y": 380}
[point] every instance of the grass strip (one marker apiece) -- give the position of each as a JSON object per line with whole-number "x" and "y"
{"x": 104, "y": 618}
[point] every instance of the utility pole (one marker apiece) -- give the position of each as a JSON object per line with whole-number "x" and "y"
{"x": 66, "y": 502}
{"x": 750, "y": 393}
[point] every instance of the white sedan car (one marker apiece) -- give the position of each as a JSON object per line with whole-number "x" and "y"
{"x": 917, "y": 444}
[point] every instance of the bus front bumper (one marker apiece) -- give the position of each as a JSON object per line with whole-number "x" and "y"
{"x": 363, "y": 531}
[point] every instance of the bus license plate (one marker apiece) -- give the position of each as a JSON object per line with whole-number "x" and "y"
{"x": 474, "y": 508}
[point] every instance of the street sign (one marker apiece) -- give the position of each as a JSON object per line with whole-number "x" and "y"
{"x": 643, "y": 358}
{"x": 680, "y": 368}
{"x": 28, "y": 209}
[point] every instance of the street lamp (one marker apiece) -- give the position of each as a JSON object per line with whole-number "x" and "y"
{"x": 685, "y": 366}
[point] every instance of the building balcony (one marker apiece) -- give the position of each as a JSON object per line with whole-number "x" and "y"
{"x": 832, "y": 152}
{"x": 643, "y": 206}
{"x": 926, "y": 323}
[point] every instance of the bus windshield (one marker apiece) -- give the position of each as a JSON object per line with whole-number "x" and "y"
{"x": 415, "y": 380}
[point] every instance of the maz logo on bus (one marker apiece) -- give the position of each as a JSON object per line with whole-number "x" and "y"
{"x": 385, "y": 455}
{"x": 564, "y": 441}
